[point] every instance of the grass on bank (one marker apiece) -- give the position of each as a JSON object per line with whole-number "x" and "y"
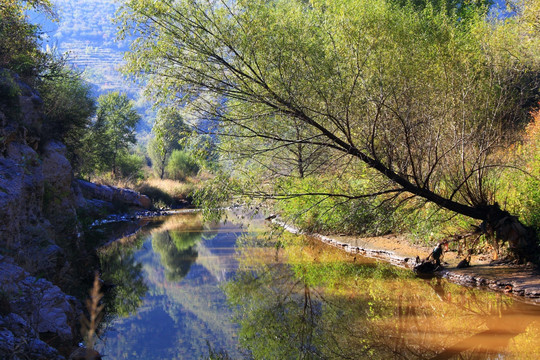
{"x": 164, "y": 193}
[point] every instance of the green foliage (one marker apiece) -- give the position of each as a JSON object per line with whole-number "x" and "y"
{"x": 168, "y": 130}
{"x": 427, "y": 224}
{"x": 19, "y": 40}
{"x": 461, "y": 8}
{"x": 181, "y": 165}
{"x": 130, "y": 165}
{"x": 422, "y": 92}
{"x": 68, "y": 105}
{"x": 520, "y": 188}
{"x": 110, "y": 136}
{"x": 203, "y": 148}
{"x": 330, "y": 214}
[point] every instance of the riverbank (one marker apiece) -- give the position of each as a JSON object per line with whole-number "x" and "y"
{"x": 522, "y": 281}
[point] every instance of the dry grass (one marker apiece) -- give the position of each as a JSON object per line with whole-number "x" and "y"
{"x": 166, "y": 193}
{"x": 95, "y": 314}
{"x": 175, "y": 189}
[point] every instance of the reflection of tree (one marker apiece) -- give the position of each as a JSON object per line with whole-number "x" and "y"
{"x": 177, "y": 251}
{"x": 119, "y": 268}
{"x": 283, "y": 318}
{"x": 329, "y": 308}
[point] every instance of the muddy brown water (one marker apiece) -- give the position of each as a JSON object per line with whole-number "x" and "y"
{"x": 186, "y": 289}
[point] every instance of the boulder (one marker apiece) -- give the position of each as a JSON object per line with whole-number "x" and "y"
{"x": 114, "y": 195}
{"x": 42, "y": 305}
{"x": 21, "y": 192}
{"x": 18, "y": 340}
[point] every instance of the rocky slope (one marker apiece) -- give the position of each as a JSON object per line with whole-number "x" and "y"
{"x": 38, "y": 222}
{"x": 40, "y": 235}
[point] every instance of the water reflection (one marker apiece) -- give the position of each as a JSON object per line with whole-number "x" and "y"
{"x": 182, "y": 307}
{"x": 177, "y": 252}
{"x": 258, "y": 295}
{"x": 121, "y": 271}
{"x": 322, "y": 305}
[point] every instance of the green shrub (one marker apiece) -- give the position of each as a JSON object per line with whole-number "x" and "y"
{"x": 521, "y": 193}
{"x": 131, "y": 165}
{"x": 9, "y": 94}
{"x": 68, "y": 105}
{"x": 326, "y": 214}
{"x": 181, "y": 165}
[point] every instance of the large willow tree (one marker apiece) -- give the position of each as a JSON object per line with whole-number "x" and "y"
{"x": 423, "y": 97}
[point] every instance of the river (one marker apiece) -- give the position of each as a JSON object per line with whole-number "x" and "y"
{"x": 187, "y": 289}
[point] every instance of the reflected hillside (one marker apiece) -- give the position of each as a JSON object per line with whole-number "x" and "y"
{"x": 183, "y": 307}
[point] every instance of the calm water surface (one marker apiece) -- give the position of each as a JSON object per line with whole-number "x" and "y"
{"x": 185, "y": 289}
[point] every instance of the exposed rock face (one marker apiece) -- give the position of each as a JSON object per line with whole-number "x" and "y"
{"x": 34, "y": 188}
{"x": 37, "y": 214}
{"x": 18, "y": 340}
{"x": 33, "y": 307}
{"x": 59, "y": 198}
{"x": 39, "y": 227}
{"x": 113, "y": 195}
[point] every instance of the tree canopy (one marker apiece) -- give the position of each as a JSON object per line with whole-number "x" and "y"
{"x": 112, "y": 132}
{"x": 19, "y": 39}
{"x": 424, "y": 98}
{"x": 168, "y": 130}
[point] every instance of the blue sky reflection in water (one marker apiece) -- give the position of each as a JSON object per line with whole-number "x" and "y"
{"x": 183, "y": 264}
{"x": 296, "y": 298}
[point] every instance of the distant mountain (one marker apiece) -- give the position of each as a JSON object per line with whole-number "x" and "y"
{"x": 86, "y": 33}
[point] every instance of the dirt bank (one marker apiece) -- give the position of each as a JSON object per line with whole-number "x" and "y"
{"x": 517, "y": 280}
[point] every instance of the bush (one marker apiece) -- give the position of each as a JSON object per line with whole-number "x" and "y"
{"x": 68, "y": 105}
{"x": 131, "y": 165}
{"x": 522, "y": 194}
{"x": 181, "y": 165}
{"x": 323, "y": 214}
{"x": 166, "y": 193}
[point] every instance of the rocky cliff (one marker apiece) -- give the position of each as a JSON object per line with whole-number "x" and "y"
{"x": 37, "y": 201}
{"x": 41, "y": 242}
{"x": 38, "y": 222}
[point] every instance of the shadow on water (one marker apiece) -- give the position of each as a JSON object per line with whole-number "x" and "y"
{"x": 184, "y": 289}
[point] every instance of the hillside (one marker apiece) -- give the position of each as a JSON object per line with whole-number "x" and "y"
{"x": 86, "y": 34}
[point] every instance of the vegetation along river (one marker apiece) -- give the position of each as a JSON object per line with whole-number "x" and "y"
{"x": 188, "y": 289}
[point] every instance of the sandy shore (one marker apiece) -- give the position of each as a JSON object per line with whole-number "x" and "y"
{"x": 518, "y": 280}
